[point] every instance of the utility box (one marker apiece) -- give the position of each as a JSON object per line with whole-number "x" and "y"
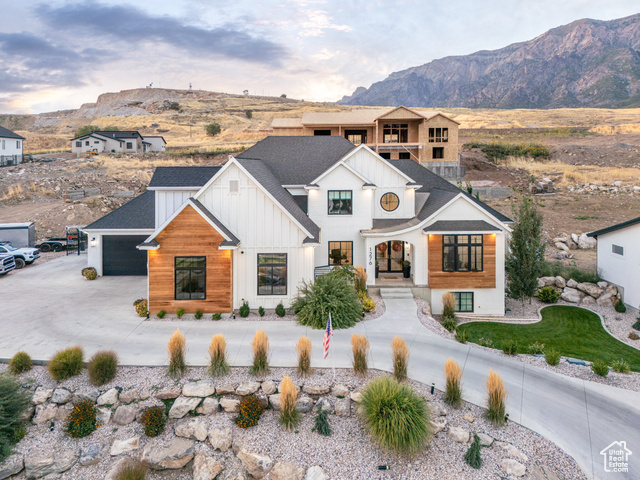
{"x": 19, "y": 234}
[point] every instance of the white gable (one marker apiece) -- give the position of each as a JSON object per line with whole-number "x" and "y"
{"x": 462, "y": 208}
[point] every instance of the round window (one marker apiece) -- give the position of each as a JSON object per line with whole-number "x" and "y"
{"x": 389, "y": 202}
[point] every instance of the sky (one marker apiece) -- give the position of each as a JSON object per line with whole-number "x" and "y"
{"x": 62, "y": 53}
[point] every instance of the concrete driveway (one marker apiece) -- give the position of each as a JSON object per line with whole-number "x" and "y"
{"x": 51, "y": 307}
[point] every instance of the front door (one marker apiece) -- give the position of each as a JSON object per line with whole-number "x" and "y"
{"x": 390, "y": 256}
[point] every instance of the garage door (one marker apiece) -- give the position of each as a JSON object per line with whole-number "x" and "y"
{"x": 121, "y": 257}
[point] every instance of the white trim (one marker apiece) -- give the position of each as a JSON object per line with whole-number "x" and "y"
{"x": 339, "y": 163}
{"x": 148, "y": 247}
{"x": 465, "y": 232}
{"x": 195, "y": 187}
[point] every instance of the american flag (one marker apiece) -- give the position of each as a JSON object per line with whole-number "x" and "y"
{"x": 327, "y": 336}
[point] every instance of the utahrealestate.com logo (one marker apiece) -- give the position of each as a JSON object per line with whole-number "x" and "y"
{"x": 616, "y": 457}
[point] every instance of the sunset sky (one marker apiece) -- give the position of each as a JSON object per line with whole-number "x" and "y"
{"x": 60, "y": 54}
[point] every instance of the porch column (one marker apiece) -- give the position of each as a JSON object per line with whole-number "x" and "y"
{"x": 370, "y": 246}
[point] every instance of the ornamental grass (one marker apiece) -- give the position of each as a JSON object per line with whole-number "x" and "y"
{"x": 14, "y": 404}
{"x": 360, "y": 350}
{"x": 289, "y": 416}
{"x": 102, "y": 367}
{"x": 20, "y": 363}
{"x": 218, "y": 365}
{"x": 303, "y": 348}
{"x": 66, "y": 363}
{"x": 132, "y": 471}
{"x": 496, "y": 398}
{"x": 177, "y": 350}
{"x": 260, "y": 347}
{"x": 453, "y": 376}
{"x": 400, "y": 354}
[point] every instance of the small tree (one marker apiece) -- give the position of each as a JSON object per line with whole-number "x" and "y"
{"x": 284, "y": 95}
{"x": 525, "y": 260}
{"x": 213, "y": 129}
{"x": 249, "y": 114}
{"x": 86, "y": 130}
{"x": 245, "y": 93}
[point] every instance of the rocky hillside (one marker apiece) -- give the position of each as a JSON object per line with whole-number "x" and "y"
{"x": 585, "y": 63}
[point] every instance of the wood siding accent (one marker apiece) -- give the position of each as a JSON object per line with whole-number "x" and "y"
{"x": 190, "y": 235}
{"x": 458, "y": 280}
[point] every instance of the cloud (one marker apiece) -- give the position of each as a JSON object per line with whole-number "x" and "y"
{"x": 135, "y": 27}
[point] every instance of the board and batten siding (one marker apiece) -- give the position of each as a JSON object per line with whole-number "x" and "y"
{"x": 168, "y": 202}
{"x": 190, "y": 235}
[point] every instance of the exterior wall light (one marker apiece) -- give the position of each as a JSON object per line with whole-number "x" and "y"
{"x": 93, "y": 242}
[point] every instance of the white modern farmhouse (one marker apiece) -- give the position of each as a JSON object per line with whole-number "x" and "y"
{"x": 618, "y": 259}
{"x": 278, "y": 213}
{"x": 11, "y": 147}
{"x": 117, "y": 142}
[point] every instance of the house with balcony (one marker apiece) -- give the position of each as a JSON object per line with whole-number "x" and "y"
{"x": 393, "y": 133}
{"x": 290, "y": 208}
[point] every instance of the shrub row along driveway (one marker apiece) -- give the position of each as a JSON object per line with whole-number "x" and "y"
{"x": 51, "y": 306}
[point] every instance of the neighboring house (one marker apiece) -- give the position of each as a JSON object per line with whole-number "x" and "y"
{"x": 255, "y": 228}
{"x": 395, "y": 133}
{"x": 618, "y": 259}
{"x": 117, "y": 142}
{"x": 11, "y": 147}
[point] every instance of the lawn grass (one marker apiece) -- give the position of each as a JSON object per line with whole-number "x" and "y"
{"x": 572, "y": 331}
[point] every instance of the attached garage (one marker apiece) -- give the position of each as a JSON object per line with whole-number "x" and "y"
{"x": 121, "y": 257}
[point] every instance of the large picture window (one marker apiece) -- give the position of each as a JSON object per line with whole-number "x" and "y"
{"x": 464, "y": 301}
{"x": 395, "y": 133}
{"x": 191, "y": 278}
{"x": 340, "y": 253}
{"x": 272, "y": 274}
{"x": 356, "y": 137}
{"x": 438, "y": 134}
{"x": 340, "y": 202}
{"x": 462, "y": 253}
{"x": 437, "y": 152}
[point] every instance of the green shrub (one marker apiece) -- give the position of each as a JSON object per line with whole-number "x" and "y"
{"x": 20, "y": 363}
{"x": 636, "y": 325}
{"x": 557, "y": 269}
{"x": 397, "y": 418}
{"x": 161, "y": 314}
{"x": 244, "y": 309}
{"x": 89, "y": 273}
{"x": 66, "y": 363}
{"x": 142, "y": 308}
{"x": 449, "y": 323}
{"x": 620, "y": 306}
{"x": 330, "y": 293}
{"x": 212, "y": 129}
{"x": 154, "y": 420}
{"x": 82, "y": 420}
{"x": 368, "y": 304}
{"x": 620, "y": 366}
{"x": 552, "y": 356}
{"x": 322, "y": 423}
{"x": 499, "y": 151}
{"x": 216, "y": 316}
{"x": 132, "y": 471}
{"x": 102, "y": 367}
{"x": 548, "y": 294}
{"x": 248, "y": 114}
{"x": 249, "y": 412}
{"x": 280, "y": 311}
{"x": 198, "y": 315}
{"x": 14, "y": 402}
{"x": 473, "y": 456}
{"x": 536, "y": 348}
{"x": 180, "y": 312}
{"x": 600, "y": 367}
{"x": 509, "y": 347}
{"x": 261, "y": 311}
{"x": 461, "y": 336}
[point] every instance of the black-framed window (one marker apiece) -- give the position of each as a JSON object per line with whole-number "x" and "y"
{"x": 322, "y": 133}
{"x": 340, "y": 253}
{"x": 437, "y": 135}
{"x": 129, "y": 145}
{"x": 340, "y": 202}
{"x": 356, "y": 137}
{"x": 404, "y": 155}
{"x": 617, "y": 249}
{"x": 389, "y": 202}
{"x": 462, "y": 253}
{"x": 437, "y": 152}
{"x": 191, "y": 278}
{"x": 86, "y": 143}
{"x": 385, "y": 155}
{"x": 395, "y": 133}
{"x": 272, "y": 274}
{"x": 464, "y": 301}
{"x": 78, "y": 144}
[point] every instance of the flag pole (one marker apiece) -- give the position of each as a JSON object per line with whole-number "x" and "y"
{"x": 333, "y": 357}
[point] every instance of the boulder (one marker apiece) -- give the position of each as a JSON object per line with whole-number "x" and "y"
{"x": 206, "y": 467}
{"x": 274, "y": 401}
{"x": 169, "y": 393}
{"x": 316, "y": 389}
{"x": 230, "y": 405}
{"x": 324, "y": 403}
{"x": 586, "y": 243}
{"x": 86, "y": 393}
{"x": 268, "y": 387}
{"x": 559, "y": 256}
{"x": 62, "y": 415}
{"x": 61, "y": 395}
{"x": 607, "y": 300}
{"x": 201, "y": 388}
{"x": 256, "y": 465}
{"x": 233, "y": 474}
{"x": 124, "y": 415}
{"x": 437, "y": 410}
{"x": 129, "y": 396}
{"x": 40, "y": 465}
{"x": 118, "y": 447}
{"x": 356, "y": 397}
{"x": 485, "y": 440}
{"x": 547, "y": 280}
{"x": 603, "y": 285}
{"x": 439, "y": 424}
{"x": 343, "y": 407}
{"x": 468, "y": 418}
{"x": 170, "y": 454}
{"x": 262, "y": 399}
{"x": 562, "y": 246}
{"x": 590, "y": 289}
{"x": 575, "y": 238}
{"x": 512, "y": 467}
{"x": 208, "y": 406}
{"x": 226, "y": 389}
{"x": 458, "y": 435}
{"x": 41, "y": 395}
{"x": 571, "y": 283}
{"x": 560, "y": 282}
{"x": 612, "y": 289}
{"x": 340, "y": 390}
{"x": 191, "y": 428}
{"x": 92, "y": 454}
{"x": 315, "y": 473}
{"x": 304, "y": 404}
{"x": 571, "y": 295}
{"x": 183, "y": 405}
{"x": 45, "y": 413}
{"x": 221, "y": 438}
{"x": 11, "y": 466}
{"x": 110, "y": 397}
{"x": 588, "y": 301}
{"x": 286, "y": 471}
{"x": 512, "y": 451}
{"x": 540, "y": 283}
{"x": 103, "y": 415}
{"x": 562, "y": 239}
{"x": 247, "y": 388}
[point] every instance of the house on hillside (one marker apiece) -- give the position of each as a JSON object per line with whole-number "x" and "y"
{"x": 117, "y": 142}
{"x": 618, "y": 258}
{"x": 286, "y": 210}
{"x": 394, "y": 133}
{"x": 11, "y": 148}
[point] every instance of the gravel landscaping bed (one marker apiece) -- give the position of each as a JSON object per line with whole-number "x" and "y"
{"x": 347, "y": 454}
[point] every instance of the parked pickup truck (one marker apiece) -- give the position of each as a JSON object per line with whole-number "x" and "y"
{"x": 7, "y": 263}
{"x": 22, "y": 256}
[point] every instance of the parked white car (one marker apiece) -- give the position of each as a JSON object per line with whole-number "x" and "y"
{"x": 22, "y": 256}
{"x": 7, "y": 263}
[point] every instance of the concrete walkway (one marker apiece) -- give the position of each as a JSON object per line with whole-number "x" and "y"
{"x": 50, "y": 306}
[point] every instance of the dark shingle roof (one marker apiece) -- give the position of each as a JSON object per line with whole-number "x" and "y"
{"x": 461, "y": 226}
{"x": 182, "y": 176}
{"x": 298, "y": 160}
{"x": 139, "y": 213}
{"x": 263, "y": 175}
{"x": 613, "y": 228}
{"x": 114, "y": 134}
{"x": 6, "y": 133}
{"x": 233, "y": 240}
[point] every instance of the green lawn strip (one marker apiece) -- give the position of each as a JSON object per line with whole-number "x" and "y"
{"x": 573, "y": 331}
